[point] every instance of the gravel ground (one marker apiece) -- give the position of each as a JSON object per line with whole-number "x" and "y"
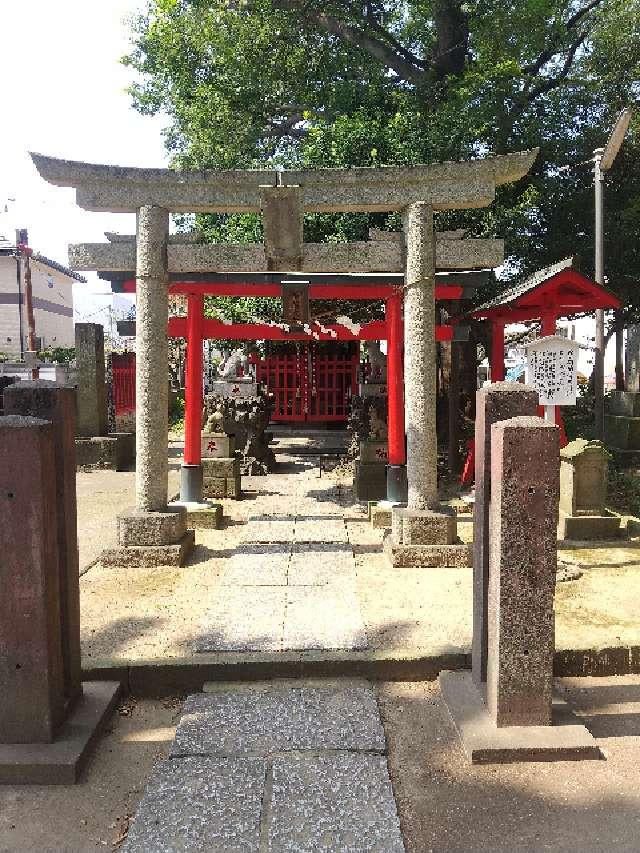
{"x": 447, "y": 806}
{"x": 94, "y": 814}
{"x": 143, "y": 613}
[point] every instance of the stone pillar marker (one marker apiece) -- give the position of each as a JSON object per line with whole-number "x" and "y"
{"x": 32, "y": 702}
{"x": 525, "y": 481}
{"x": 513, "y": 715}
{"x": 152, "y": 358}
{"x": 43, "y": 399}
{"x": 584, "y": 469}
{"x": 92, "y": 399}
{"x": 494, "y": 403}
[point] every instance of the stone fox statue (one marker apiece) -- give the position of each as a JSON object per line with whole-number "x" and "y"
{"x": 230, "y": 368}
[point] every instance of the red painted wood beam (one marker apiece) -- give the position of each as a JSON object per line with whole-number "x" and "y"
{"x": 329, "y": 291}
{"x": 497, "y": 352}
{"x": 216, "y": 330}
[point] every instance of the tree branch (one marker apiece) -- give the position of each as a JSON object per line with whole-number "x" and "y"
{"x": 549, "y": 52}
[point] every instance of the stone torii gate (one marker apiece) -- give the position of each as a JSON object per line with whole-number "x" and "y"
{"x": 283, "y": 197}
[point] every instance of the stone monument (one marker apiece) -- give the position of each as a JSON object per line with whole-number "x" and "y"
{"x": 584, "y": 469}
{"x": 48, "y": 717}
{"x": 514, "y": 716}
{"x": 622, "y": 426}
{"x": 95, "y": 448}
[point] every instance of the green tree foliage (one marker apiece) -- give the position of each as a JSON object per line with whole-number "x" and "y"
{"x": 254, "y": 83}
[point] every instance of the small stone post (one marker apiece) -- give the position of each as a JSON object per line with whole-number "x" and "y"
{"x": 152, "y": 357}
{"x": 51, "y": 402}
{"x": 32, "y": 700}
{"x": 496, "y": 402}
{"x": 92, "y": 395}
{"x": 525, "y": 478}
{"x": 420, "y": 358}
{"x": 632, "y": 359}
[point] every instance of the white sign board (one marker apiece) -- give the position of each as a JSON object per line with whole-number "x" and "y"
{"x": 552, "y": 369}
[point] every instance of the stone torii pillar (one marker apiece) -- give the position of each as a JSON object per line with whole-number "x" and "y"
{"x": 151, "y": 534}
{"x": 423, "y": 533}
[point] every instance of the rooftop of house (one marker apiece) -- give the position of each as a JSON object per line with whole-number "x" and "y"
{"x": 8, "y": 249}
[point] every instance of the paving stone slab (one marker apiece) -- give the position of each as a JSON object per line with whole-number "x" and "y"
{"x": 278, "y": 719}
{"x": 323, "y": 617}
{"x": 258, "y": 565}
{"x": 200, "y": 804}
{"x": 320, "y": 528}
{"x": 319, "y": 563}
{"x": 341, "y": 803}
{"x": 244, "y": 618}
{"x": 268, "y": 529}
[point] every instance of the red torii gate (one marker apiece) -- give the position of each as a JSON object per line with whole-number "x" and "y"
{"x": 195, "y": 328}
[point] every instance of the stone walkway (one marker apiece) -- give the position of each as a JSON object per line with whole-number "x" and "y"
{"x": 276, "y": 768}
{"x": 290, "y": 583}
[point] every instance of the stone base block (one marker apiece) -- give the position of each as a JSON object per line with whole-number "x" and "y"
{"x": 589, "y": 527}
{"x": 427, "y": 556}
{"x": 149, "y": 556}
{"x": 484, "y": 743}
{"x": 223, "y": 466}
{"x": 425, "y": 527}
{"x": 218, "y": 445}
{"x": 60, "y": 762}
{"x": 370, "y": 481}
{"x": 200, "y": 516}
{"x": 622, "y": 432}
{"x": 222, "y": 487}
{"x": 240, "y": 387}
{"x": 152, "y": 528}
{"x": 380, "y": 516}
{"x": 374, "y": 451}
{"x": 116, "y": 452}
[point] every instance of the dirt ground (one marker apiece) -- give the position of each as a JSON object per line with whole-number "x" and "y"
{"x": 93, "y": 815}
{"x": 447, "y": 806}
{"x": 444, "y": 804}
{"x": 132, "y": 614}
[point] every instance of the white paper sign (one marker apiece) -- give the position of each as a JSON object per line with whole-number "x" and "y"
{"x": 552, "y": 369}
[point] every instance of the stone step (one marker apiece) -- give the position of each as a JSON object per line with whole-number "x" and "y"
{"x": 273, "y": 770}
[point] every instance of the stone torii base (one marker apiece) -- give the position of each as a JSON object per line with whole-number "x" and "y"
{"x": 425, "y": 538}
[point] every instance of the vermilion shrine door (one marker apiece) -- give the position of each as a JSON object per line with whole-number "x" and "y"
{"x": 312, "y": 384}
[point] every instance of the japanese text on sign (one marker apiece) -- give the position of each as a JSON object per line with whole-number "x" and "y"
{"x": 552, "y": 369}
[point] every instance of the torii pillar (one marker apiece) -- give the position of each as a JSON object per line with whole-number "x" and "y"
{"x": 423, "y": 533}
{"x": 152, "y": 533}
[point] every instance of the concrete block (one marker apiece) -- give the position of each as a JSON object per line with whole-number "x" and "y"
{"x": 233, "y": 487}
{"x": 214, "y": 487}
{"x": 374, "y": 451}
{"x": 566, "y": 739}
{"x": 152, "y": 528}
{"x": 427, "y": 556}
{"x": 96, "y": 453}
{"x": 323, "y": 617}
{"x": 370, "y": 481}
{"x": 428, "y": 527}
{"x": 149, "y": 556}
{"x": 200, "y": 516}
{"x": 61, "y": 761}
{"x": 220, "y": 467}
{"x": 380, "y": 516}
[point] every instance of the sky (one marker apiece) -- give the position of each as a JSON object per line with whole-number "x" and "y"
{"x": 64, "y": 94}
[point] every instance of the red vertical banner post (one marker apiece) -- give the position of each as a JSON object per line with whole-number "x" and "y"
{"x": 396, "y": 470}
{"x": 497, "y": 351}
{"x": 191, "y": 473}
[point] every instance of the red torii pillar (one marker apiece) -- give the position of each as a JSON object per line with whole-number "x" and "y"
{"x": 191, "y": 471}
{"x": 397, "y": 458}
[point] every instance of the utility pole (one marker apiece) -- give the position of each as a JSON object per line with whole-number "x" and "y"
{"x": 24, "y": 255}
{"x": 603, "y": 160}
